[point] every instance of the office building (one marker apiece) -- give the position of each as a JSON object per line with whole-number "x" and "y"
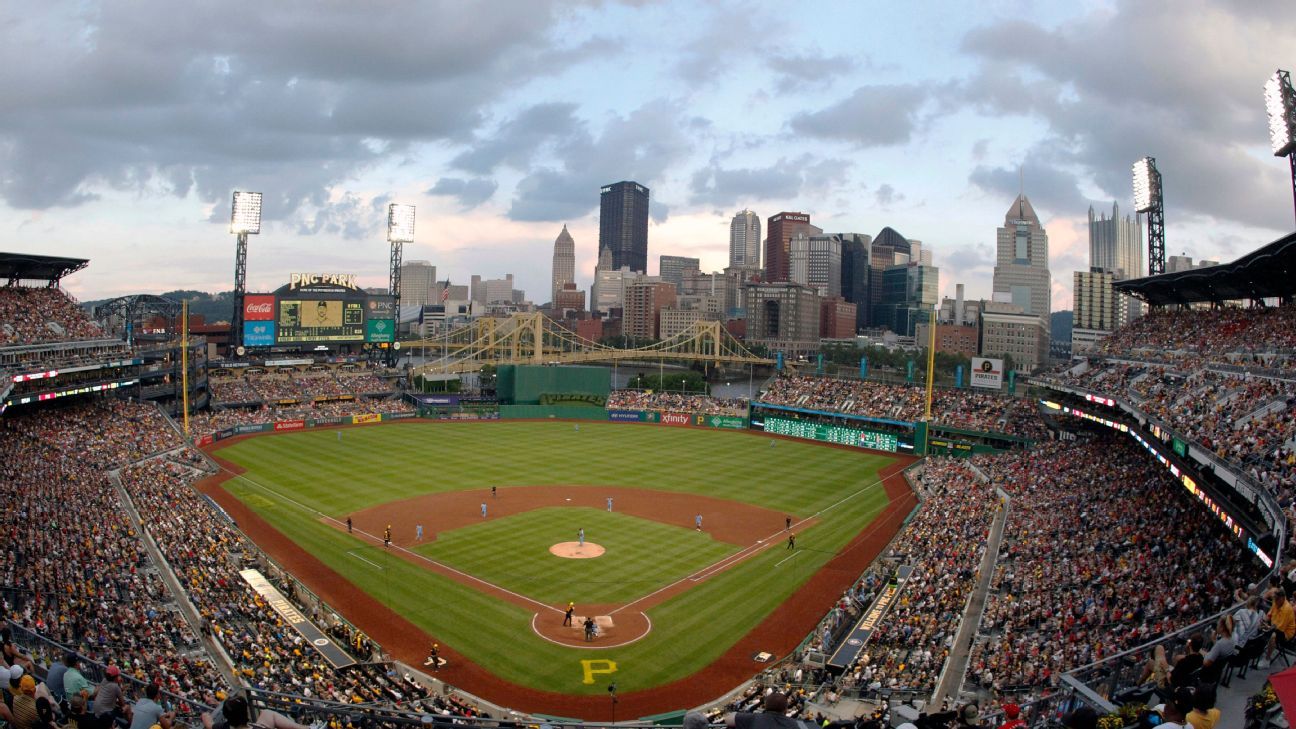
{"x": 568, "y": 300}
{"x": 671, "y": 269}
{"x": 950, "y": 338}
{"x": 644, "y": 301}
{"x": 886, "y": 249}
{"x": 836, "y": 318}
{"x": 815, "y": 261}
{"x": 1116, "y": 244}
{"x": 778, "y": 241}
{"x": 564, "y": 262}
{"x": 783, "y": 317}
{"x": 855, "y": 249}
{"x": 1021, "y": 273}
{"x": 623, "y": 224}
{"x": 745, "y": 241}
{"x": 418, "y": 283}
{"x": 910, "y": 292}
{"x": 675, "y": 321}
{"x": 1009, "y": 331}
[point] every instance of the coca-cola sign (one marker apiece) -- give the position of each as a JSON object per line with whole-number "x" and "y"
{"x": 258, "y": 307}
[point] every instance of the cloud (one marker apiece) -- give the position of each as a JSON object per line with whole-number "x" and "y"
{"x": 1048, "y": 185}
{"x": 1177, "y": 80}
{"x": 871, "y": 116}
{"x": 801, "y": 72}
{"x": 291, "y": 99}
{"x": 886, "y": 196}
{"x": 724, "y": 188}
{"x": 470, "y": 193}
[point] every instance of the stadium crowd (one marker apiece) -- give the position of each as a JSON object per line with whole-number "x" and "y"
{"x": 675, "y": 402}
{"x": 1102, "y": 551}
{"x": 295, "y": 386}
{"x": 956, "y": 408}
{"x": 944, "y": 544}
{"x": 210, "y": 421}
{"x": 41, "y": 315}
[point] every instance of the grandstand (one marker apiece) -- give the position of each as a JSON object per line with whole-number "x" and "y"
{"x": 1052, "y": 569}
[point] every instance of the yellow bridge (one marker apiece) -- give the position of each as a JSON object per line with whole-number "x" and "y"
{"x": 536, "y": 339}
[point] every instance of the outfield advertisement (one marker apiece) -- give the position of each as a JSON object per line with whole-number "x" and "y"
{"x": 290, "y": 425}
{"x": 366, "y": 418}
{"x": 676, "y": 419}
{"x": 397, "y": 416}
{"x": 832, "y": 434}
{"x": 625, "y": 416}
{"x": 720, "y": 421}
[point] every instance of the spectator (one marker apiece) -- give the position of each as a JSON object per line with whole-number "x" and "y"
{"x": 109, "y": 703}
{"x": 148, "y": 712}
{"x": 1204, "y": 715}
{"x": 774, "y": 715}
{"x": 75, "y": 684}
{"x": 1282, "y": 625}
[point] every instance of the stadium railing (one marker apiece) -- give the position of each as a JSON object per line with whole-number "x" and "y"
{"x": 46, "y": 651}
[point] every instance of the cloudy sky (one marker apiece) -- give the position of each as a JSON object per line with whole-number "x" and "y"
{"x": 125, "y": 126}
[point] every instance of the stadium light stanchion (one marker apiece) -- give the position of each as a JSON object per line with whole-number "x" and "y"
{"x": 1280, "y": 103}
{"x": 184, "y": 361}
{"x": 1148, "y": 199}
{"x": 245, "y": 220}
{"x": 400, "y": 230}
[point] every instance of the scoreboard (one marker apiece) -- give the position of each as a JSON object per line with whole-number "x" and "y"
{"x": 832, "y": 434}
{"x": 314, "y": 309}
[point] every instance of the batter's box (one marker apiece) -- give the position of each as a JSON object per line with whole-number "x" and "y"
{"x": 602, "y": 621}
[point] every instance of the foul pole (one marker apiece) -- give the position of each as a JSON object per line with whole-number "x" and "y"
{"x": 184, "y": 361}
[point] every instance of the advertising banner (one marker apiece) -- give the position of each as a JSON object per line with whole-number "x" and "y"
{"x": 290, "y": 425}
{"x": 958, "y": 376}
{"x": 258, "y": 333}
{"x": 258, "y": 307}
{"x": 381, "y": 307}
{"x": 258, "y": 428}
{"x": 315, "y": 638}
{"x": 721, "y": 421}
{"x": 625, "y": 416}
{"x": 223, "y": 434}
{"x": 397, "y": 416}
{"x": 987, "y": 373}
{"x": 909, "y": 372}
{"x": 444, "y": 400}
{"x": 203, "y": 441}
{"x": 366, "y": 418}
{"x": 380, "y": 330}
{"x": 333, "y": 420}
{"x": 675, "y": 419}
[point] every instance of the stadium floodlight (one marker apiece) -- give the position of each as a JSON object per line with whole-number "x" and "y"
{"x": 400, "y": 223}
{"x": 245, "y": 213}
{"x": 1147, "y": 185}
{"x": 1280, "y": 102}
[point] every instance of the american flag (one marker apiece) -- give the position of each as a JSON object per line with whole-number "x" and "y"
{"x": 445, "y": 291}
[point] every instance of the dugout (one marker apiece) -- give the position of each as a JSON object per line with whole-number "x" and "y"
{"x": 540, "y": 385}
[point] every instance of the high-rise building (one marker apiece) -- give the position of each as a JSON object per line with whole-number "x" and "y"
{"x": 783, "y": 317}
{"x": 836, "y": 318}
{"x": 418, "y": 283}
{"x": 671, "y": 269}
{"x": 1008, "y": 331}
{"x": 778, "y": 242}
{"x": 745, "y": 240}
{"x": 855, "y": 274}
{"x": 1098, "y": 308}
{"x": 886, "y": 250}
{"x": 564, "y": 262}
{"x": 568, "y": 299}
{"x": 1021, "y": 270}
{"x": 910, "y": 292}
{"x": 623, "y": 224}
{"x": 498, "y": 290}
{"x": 815, "y": 261}
{"x": 644, "y": 302}
{"x": 1116, "y": 244}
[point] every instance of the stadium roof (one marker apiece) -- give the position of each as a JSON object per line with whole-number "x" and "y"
{"x": 1268, "y": 272}
{"x": 16, "y": 267}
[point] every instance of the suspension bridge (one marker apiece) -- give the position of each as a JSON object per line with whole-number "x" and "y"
{"x": 533, "y": 338}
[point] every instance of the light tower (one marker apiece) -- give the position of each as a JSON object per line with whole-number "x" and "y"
{"x": 245, "y": 220}
{"x": 400, "y": 230}
{"x": 1147, "y": 199}
{"x": 1280, "y": 102}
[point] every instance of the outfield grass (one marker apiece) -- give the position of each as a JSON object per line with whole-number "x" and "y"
{"x": 376, "y": 465}
{"x": 513, "y": 552}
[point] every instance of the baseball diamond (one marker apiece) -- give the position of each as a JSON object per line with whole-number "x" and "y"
{"x": 677, "y": 612}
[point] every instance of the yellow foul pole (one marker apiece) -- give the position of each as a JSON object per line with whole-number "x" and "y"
{"x": 931, "y": 364}
{"x": 184, "y": 360}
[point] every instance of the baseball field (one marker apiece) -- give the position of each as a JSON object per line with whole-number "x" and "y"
{"x": 602, "y": 515}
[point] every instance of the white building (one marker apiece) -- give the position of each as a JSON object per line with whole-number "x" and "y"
{"x": 745, "y": 240}
{"x": 815, "y": 261}
{"x": 418, "y": 283}
{"x": 1021, "y": 271}
{"x": 564, "y": 263}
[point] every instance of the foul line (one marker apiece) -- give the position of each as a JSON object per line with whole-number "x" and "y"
{"x": 376, "y": 540}
{"x": 351, "y": 553}
{"x": 756, "y": 548}
{"x": 790, "y": 556}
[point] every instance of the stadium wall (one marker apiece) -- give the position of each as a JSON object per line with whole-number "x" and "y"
{"x": 524, "y": 384}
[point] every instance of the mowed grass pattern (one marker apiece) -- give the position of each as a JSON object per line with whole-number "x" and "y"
{"x": 513, "y": 552}
{"x": 293, "y": 478}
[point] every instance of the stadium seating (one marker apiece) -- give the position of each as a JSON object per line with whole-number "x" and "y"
{"x": 955, "y": 408}
{"x": 674, "y": 402}
{"x": 41, "y": 315}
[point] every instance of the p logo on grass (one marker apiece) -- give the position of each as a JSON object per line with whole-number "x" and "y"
{"x": 597, "y": 667}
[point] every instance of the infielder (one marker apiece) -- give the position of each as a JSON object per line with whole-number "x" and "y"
{"x": 609, "y": 502}
{"x": 483, "y": 509}
{"x": 697, "y": 522}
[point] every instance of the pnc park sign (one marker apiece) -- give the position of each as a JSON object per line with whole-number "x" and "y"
{"x": 300, "y": 280}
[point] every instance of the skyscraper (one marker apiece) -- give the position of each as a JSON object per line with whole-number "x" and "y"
{"x": 564, "y": 262}
{"x": 418, "y": 282}
{"x": 623, "y": 224}
{"x": 816, "y": 261}
{"x": 780, "y": 230}
{"x": 855, "y": 274}
{"x": 1116, "y": 244}
{"x": 1021, "y": 271}
{"x": 883, "y": 251}
{"x": 745, "y": 240}
{"x": 671, "y": 269}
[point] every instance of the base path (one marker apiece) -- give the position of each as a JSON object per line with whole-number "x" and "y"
{"x": 779, "y": 633}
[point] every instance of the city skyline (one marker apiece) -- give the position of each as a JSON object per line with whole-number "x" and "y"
{"x": 124, "y": 144}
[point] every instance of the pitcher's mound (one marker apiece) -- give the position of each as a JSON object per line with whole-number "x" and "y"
{"x": 574, "y": 550}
